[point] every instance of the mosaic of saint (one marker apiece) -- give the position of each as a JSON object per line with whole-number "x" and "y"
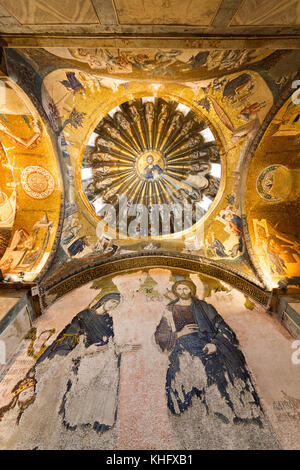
{"x": 151, "y": 337}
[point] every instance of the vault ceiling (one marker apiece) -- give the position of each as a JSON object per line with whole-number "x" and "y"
{"x": 161, "y": 102}
{"x": 140, "y": 126}
{"x": 273, "y": 204}
{"x": 140, "y": 17}
{"x": 30, "y": 186}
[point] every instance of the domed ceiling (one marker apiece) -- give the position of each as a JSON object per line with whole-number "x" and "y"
{"x": 30, "y": 187}
{"x": 272, "y": 208}
{"x": 158, "y": 138}
{"x": 153, "y": 152}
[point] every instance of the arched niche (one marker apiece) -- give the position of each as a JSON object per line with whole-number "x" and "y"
{"x": 271, "y": 199}
{"x": 31, "y": 187}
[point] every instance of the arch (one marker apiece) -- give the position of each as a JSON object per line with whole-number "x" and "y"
{"x": 271, "y": 230}
{"x": 52, "y": 292}
{"x": 34, "y": 187}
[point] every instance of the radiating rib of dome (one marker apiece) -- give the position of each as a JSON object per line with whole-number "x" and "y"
{"x": 157, "y": 125}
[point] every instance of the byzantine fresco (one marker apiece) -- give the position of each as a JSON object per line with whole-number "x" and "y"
{"x": 189, "y": 63}
{"x": 157, "y": 63}
{"x": 82, "y": 104}
{"x": 30, "y": 187}
{"x": 156, "y": 358}
{"x": 220, "y": 107}
{"x": 274, "y": 176}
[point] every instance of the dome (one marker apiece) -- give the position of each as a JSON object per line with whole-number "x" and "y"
{"x": 158, "y": 160}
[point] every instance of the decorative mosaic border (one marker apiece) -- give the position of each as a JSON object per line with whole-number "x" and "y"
{"x": 50, "y": 295}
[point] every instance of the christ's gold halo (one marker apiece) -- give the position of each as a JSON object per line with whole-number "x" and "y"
{"x": 142, "y": 161}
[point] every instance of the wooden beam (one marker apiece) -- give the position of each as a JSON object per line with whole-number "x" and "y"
{"x": 105, "y": 11}
{"x": 226, "y": 12}
{"x": 152, "y": 42}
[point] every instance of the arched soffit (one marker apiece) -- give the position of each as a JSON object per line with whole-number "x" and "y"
{"x": 156, "y": 64}
{"x": 30, "y": 186}
{"x": 233, "y": 107}
{"x": 271, "y": 200}
{"x": 50, "y": 292}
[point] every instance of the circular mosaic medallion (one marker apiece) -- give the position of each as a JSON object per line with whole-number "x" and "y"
{"x": 150, "y": 164}
{"x": 271, "y": 182}
{"x": 37, "y": 182}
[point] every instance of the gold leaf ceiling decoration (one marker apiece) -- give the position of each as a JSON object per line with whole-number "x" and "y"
{"x": 154, "y": 151}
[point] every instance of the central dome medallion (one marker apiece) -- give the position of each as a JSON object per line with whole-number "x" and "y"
{"x": 152, "y": 151}
{"x": 150, "y": 165}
